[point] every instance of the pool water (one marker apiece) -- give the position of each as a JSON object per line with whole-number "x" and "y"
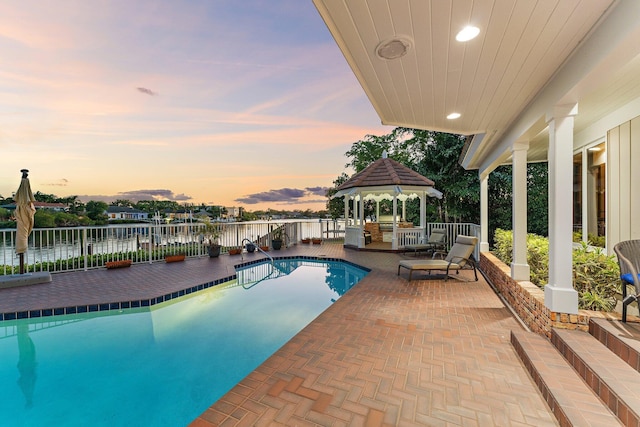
{"x": 164, "y": 365}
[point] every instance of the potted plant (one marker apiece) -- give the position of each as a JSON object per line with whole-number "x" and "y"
{"x": 118, "y": 264}
{"x": 235, "y": 250}
{"x": 306, "y": 240}
{"x": 316, "y": 240}
{"x": 177, "y": 257}
{"x": 251, "y": 247}
{"x": 277, "y": 237}
{"x": 210, "y": 235}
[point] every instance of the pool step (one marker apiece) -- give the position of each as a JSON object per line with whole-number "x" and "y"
{"x": 623, "y": 339}
{"x": 605, "y": 377}
{"x": 612, "y": 379}
{"x": 571, "y": 400}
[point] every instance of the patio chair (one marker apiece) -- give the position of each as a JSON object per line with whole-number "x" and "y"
{"x": 437, "y": 242}
{"x": 459, "y": 256}
{"x": 628, "y": 253}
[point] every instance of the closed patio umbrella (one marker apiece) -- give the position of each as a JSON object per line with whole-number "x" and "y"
{"x": 24, "y": 216}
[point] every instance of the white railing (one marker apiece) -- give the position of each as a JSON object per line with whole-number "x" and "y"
{"x": 454, "y": 229}
{"x": 409, "y": 236}
{"x": 81, "y": 248}
{"x": 352, "y": 236}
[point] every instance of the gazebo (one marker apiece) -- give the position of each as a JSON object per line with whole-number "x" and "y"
{"x": 385, "y": 179}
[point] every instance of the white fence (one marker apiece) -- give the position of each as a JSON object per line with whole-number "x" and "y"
{"x": 82, "y": 248}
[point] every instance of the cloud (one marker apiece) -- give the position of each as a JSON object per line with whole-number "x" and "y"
{"x": 146, "y": 91}
{"x": 138, "y": 195}
{"x": 284, "y": 196}
{"x": 60, "y": 183}
{"x": 317, "y": 191}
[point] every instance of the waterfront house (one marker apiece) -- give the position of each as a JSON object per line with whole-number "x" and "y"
{"x": 125, "y": 213}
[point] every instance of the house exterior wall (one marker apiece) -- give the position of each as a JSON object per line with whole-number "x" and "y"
{"x": 623, "y": 182}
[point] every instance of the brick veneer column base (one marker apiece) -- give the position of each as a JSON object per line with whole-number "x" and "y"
{"x": 528, "y": 300}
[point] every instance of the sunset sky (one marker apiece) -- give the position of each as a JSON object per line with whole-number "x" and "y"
{"x": 234, "y": 103}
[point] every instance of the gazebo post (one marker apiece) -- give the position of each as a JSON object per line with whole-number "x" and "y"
{"x": 361, "y": 215}
{"x": 346, "y": 211}
{"x": 394, "y": 238}
{"x": 423, "y": 215}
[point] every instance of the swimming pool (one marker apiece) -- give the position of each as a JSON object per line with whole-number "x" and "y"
{"x": 161, "y": 365}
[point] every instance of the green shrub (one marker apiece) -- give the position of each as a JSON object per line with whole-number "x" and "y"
{"x": 595, "y": 275}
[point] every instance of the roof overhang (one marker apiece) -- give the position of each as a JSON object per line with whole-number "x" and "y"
{"x": 529, "y": 57}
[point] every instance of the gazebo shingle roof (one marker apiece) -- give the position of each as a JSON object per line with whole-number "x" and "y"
{"x": 386, "y": 171}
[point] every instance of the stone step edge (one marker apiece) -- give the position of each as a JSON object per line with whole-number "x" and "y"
{"x": 558, "y": 383}
{"x": 612, "y": 335}
{"x": 596, "y": 364}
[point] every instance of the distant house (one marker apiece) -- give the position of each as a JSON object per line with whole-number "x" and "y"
{"x": 124, "y": 212}
{"x": 181, "y": 215}
{"x": 232, "y": 214}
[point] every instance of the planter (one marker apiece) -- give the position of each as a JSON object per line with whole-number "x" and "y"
{"x": 264, "y": 248}
{"x": 277, "y": 244}
{"x": 118, "y": 264}
{"x": 235, "y": 251}
{"x": 316, "y": 241}
{"x": 250, "y": 247}
{"x": 306, "y": 241}
{"x": 174, "y": 258}
{"x": 214, "y": 251}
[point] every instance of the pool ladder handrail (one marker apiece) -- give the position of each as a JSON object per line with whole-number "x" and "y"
{"x": 258, "y": 248}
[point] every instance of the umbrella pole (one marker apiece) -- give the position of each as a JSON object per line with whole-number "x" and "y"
{"x": 21, "y": 256}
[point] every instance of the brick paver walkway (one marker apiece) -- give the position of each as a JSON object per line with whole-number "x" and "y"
{"x": 387, "y": 353}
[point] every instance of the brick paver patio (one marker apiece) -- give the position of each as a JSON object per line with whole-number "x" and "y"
{"x": 388, "y": 353}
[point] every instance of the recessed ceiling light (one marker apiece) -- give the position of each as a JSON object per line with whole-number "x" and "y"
{"x": 393, "y": 49}
{"x": 453, "y": 116}
{"x": 468, "y": 33}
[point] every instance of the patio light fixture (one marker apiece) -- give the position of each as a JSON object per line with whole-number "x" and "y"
{"x": 453, "y": 116}
{"x": 467, "y": 33}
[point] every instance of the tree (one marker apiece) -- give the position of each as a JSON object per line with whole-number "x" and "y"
{"x": 336, "y": 206}
{"x": 5, "y": 214}
{"x": 122, "y": 203}
{"x": 45, "y": 198}
{"x": 96, "y": 211}
{"x": 436, "y": 156}
{"x": 44, "y": 218}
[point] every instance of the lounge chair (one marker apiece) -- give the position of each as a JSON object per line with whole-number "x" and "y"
{"x": 460, "y": 256}
{"x": 437, "y": 242}
{"x": 628, "y": 253}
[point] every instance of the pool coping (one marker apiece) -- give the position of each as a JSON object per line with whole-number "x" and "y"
{"x": 151, "y": 301}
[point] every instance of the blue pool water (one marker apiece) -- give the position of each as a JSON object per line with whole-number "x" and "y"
{"x": 164, "y": 365}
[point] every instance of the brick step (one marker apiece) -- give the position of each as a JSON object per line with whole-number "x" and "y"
{"x": 615, "y": 382}
{"x": 571, "y": 400}
{"x": 623, "y": 339}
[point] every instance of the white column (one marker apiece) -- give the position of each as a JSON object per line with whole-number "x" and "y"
{"x": 484, "y": 213}
{"x": 559, "y": 295}
{"x": 519, "y": 264}
{"x": 423, "y": 215}
{"x": 404, "y": 210}
{"x": 394, "y": 242}
{"x": 361, "y": 215}
{"x": 346, "y": 211}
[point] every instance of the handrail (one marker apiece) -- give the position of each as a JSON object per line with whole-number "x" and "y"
{"x": 257, "y": 248}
